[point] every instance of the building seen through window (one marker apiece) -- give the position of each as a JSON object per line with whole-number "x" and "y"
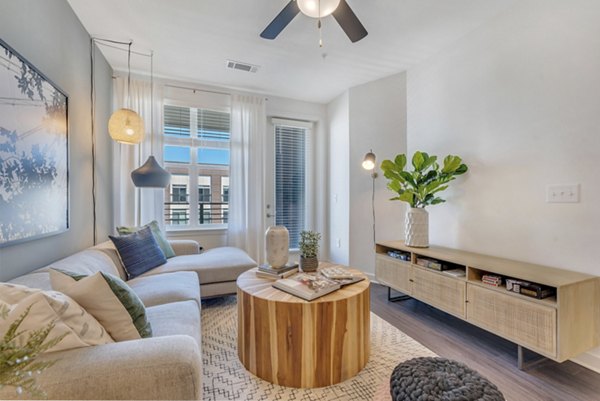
{"x": 196, "y": 152}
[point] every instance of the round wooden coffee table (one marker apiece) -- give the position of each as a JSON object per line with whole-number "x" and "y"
{"x": 295, "y": 343}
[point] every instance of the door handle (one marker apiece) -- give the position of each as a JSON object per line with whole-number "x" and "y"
{"x": 269, "y": 215}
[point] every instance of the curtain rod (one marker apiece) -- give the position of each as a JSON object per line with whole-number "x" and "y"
{"x": 197, "y": 90}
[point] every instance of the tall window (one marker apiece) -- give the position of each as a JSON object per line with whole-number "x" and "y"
{"x": 196, "y": 152}
{"x": 291, "y": 144}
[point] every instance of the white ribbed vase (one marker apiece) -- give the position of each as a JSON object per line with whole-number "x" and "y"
{"x": 277, "y": 240}
{"x": 417, "y": 227}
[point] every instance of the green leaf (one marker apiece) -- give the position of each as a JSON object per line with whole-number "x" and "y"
{"x": 437, "y": 201}
{"x": 461, "y": 169}
{"x": 407, "y": 197}
{"x": 392, "y": 175}
{"x": 417, "y": 160}
{"x": 395, "y": 186}
{"x": 400, "y": 161}
{"x": 451, "y": 163}
{"x": 440, "y": 189}
{"x": 409, "y": 178}
{"x": 388, "y": 165}
{"x": 429, "y": 161}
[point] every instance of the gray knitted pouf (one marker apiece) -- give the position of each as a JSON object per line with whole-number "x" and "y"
{"x": 439, "y": 379}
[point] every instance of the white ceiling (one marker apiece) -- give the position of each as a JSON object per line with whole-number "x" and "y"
{"x": 191, "y": 40}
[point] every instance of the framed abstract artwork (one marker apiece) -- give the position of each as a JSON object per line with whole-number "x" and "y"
{"x": 34, "y": 152}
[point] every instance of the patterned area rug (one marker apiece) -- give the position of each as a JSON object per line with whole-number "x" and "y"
{"x": 225, "y": 378}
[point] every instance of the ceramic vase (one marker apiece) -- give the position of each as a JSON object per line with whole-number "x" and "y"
{"x": 277, "y": 240}
{"x": 417, "y": 227}
{"x": 309, "y": 264}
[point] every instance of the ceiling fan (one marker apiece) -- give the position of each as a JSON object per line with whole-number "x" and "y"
{"x": 340, "y": 10}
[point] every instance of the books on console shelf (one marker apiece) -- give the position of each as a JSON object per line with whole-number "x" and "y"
{"x": 399, "y": 255}
{"x": 307, "y": 286}
{"x": 430, "y": 263}
{"x": 455, "y": 272}
{"x": 530, "y": 289}
{"x": 491, "y": 279}
{"x": 275, "y": 275}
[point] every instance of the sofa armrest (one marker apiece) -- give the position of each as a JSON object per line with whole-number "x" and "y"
{"x": 185, "y": 247}
{"x": 158, "y": 368}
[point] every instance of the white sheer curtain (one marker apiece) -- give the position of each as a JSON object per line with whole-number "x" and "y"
{"x": 247, "y": 173}
{"x": 136, "y": 206}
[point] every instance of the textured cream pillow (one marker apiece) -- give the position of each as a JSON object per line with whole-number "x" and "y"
{"x": 79, "y": 327}
{"x": 109, "y": 299}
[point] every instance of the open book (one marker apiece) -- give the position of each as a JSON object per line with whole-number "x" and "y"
{"x": 307, "y": 286}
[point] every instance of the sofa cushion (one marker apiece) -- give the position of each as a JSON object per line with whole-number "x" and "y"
{"x": 165, "y": 288}
{"x": 159, "y": 236}
{"x": 37, "y": 279}
{"x": 88, "y": 261}
{"x": 212, "y": 266}
{"x": 139, "y": 252}
{"x": 109, "y": 299}
{"x": 77, "y": 327}
{"x": 176, "y": 318}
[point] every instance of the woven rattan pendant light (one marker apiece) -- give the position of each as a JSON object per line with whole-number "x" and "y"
{"x": 125, "y": 125}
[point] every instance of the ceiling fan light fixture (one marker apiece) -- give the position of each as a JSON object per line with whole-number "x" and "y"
{"x": 311, "y": 7}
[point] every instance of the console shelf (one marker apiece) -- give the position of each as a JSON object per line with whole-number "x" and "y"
{"x": 559, "y": 326}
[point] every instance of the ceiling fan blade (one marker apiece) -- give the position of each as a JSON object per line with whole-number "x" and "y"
{"x": 349, "y": 22}
{"x": 281, "y": 21}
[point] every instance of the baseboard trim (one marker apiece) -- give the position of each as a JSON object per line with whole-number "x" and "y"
{"x": 372, "y": 278}
{"x": 588, "y": 360}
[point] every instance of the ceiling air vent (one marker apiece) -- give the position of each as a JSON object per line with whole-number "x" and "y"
{"x": 238, "y": 65}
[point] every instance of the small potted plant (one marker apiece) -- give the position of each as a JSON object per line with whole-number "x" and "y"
{"x": 309, "y": 248}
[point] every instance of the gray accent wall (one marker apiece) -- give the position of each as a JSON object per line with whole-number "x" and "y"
{"x": 49, "y": 35}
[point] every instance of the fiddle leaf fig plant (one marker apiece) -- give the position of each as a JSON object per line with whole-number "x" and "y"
{"x": 419, "y": 187}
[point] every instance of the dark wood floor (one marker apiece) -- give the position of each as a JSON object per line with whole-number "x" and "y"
{"x": 492, "y": 356}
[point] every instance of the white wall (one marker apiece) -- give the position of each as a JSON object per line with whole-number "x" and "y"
{"x": 338, "y": 113}
{"x": 369, "y": 116}
{"x": 378, "y": 122}
{"x": 518, "y": 100}
{"x": 49, "y": 35}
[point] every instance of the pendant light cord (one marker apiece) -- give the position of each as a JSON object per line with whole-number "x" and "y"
{"x": 93, "y": 134}
{"x": 151, "y": 103}
{"x": 129, "y": 74}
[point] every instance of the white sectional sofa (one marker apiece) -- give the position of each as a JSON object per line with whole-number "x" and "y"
{"x": 166, "y": 366}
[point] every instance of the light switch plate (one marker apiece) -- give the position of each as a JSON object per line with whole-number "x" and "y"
{"x": 568, "y": 193}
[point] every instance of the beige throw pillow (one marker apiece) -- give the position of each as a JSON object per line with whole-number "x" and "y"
{"x": 79, "y": 327}
{"x": 109, "y": 299}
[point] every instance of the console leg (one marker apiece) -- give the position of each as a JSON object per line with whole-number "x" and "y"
{"x": 522, "y": 364}
{"x": 396, "y": 298}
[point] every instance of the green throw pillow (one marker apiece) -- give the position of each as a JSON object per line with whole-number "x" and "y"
{"x": 159, "y": 236}
{"x": 109, "y": 299}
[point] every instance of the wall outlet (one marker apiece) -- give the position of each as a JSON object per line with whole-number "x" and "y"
{"x": 338, "y": 242}
{"x": 568, "y": 193}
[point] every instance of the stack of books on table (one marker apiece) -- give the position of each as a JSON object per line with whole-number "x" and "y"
{"x": 492, "y": 279}
{"x": 266, "y": 271}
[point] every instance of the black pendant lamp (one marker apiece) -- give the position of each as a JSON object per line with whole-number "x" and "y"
{"x": 151, "y": 174}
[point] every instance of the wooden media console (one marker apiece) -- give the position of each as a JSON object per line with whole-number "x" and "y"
{"x": 558, "y": 327}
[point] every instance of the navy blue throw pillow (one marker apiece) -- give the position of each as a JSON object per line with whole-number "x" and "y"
{"x": 139, "y": 252}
